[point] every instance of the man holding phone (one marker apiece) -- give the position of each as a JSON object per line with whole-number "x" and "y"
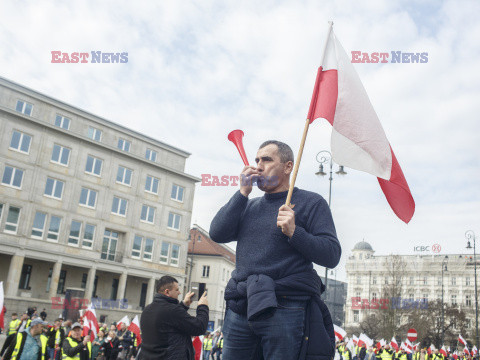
{"x": 76, "y": 347}
{"x": 166, "y": 325}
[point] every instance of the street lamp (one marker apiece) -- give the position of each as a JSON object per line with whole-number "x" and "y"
{"x": 444, "y": 268}
{"x": 191, "y": 263}
{"x": 325, "y": 157}
{"x": 470, "y": 235}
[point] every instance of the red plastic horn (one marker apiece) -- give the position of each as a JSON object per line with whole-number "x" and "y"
{"x": 236, "y": 137}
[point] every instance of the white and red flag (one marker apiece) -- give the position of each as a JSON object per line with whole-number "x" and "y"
{"x": 351, "y": 345}
{"x": 474, "y": 350}
{"x": 455, "y": 355}
{"x": 381, "y": 343}
{"x": 123, "y": 320}
{"x": 358, "y": 139}
{"x": 415, "y": 347}
{"x": 465, "y": 350}
{"x": 408, "y": 346}
{"x": 394, "y": 344}
{"x": 462, "y": 340}
{"x": 364, "y": 339}
{"x": 443, "y": 351}
{"x": 339, "y": 332}
{"x": 90, "y": 323}
{"x": 135, "y": 328}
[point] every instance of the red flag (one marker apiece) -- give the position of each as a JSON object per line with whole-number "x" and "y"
{"x": 197, "y": 345}
{"x": 358, "y": 139}
{"x": 465, "y": 350}
{"x": 394, "y": 344}
{"x": 443, "y": 351}
{"x": 462, "y": 340}
{"x": 135, "y": 328}
{"x": 339, "y": 332}
{"x": 123, "y": 320}
{"x": 90, "y": 323}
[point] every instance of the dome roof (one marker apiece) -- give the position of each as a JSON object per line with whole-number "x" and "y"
{"x": 363, "y": 245}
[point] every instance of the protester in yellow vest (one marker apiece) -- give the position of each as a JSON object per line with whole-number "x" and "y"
{"x": 75, "y": 347}
{"x": 12, "y": 330}
{"x": 386, "y": 353}
{"x": 30, "y": 344}
{"x": 346, "y": 354}
{"x": 207, "y": 346}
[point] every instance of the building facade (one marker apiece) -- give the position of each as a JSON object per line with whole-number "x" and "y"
{"x": 86, "y": 204}
{"x": 335, "y": 297}
{"x": 212, "y": 266}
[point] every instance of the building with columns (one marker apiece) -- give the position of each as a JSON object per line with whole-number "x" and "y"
{"x": 86, "y": 204}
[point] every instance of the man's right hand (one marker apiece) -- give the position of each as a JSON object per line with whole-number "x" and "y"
{"x": 86, "y": 339}
{"x": 203, "y": 299}
{"x": 246, "y": 180}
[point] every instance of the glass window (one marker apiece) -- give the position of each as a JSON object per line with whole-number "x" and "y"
{"x": 109, "y": 245}
{"x": 20, "y": 142}
{"x": 151, "y": 155}
{"x": 94, "y": 133}
{"x": 119, "y": 206}
{"x": 61, "y": 282}
{"x": 11, "y": 224}
{"x": 467, "y": 281}
{"x": 54, "y": 228}
{"x": 88, "y": 236}
{"x": 175, "y": 254}
{"x": 164, "y": 252}
{"x": 54, "y": 188}
{"x": 24, "y": 107}
{"x": 25, "y": 277}
{"x": 137, "y": 247}
{"x": 1, "y": 211}
{"x": 124, "y": 145}
{"x": 74, "y": 237}
{"x": 177, "y": 193}
{"x": 124, "y": 175}
{"x": 60, "y": 155}
{"x": 356, "y": 316}
{"x": 148, "y": 214}
{"x": 174, "y": 221}
{"x": 39, "y": 225}
{"x": 454, "y": 299}
{"x": 148, "y": 251}
{"x": 468, "y": 300}
{"x": 151, "y": 185}
{"x": 62, "y": 121}
{"x": 206, "y": 271}
{"x": 12, "y": 177}
{"x": 88, "y": 197}
{"x": 94, "y": 165}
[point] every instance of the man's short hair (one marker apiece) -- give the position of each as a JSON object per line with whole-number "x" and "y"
{"x": 165, "y": 282}
{"x": 14, "y": 314}
{"x": 284, "y": 151}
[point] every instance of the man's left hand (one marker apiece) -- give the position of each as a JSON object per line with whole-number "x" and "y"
{"x": 286, "y": 220}
{"x": 188, "y": 298}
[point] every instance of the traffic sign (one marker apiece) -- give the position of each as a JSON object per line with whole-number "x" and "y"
{"x": 412, "y": 335}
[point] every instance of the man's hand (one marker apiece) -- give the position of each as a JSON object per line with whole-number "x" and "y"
{"x": 86, "y": 339}
{"x": 203, "y": 299}
{"x": 188, "y": 298}
{"x": 286, "y": 220}
{"x": 246, "y": 178}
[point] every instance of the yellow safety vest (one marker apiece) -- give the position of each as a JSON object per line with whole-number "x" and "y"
{"x": 220, "y": 343}
{"x": 207, "y": 344}
{"x": 58, "y": 337}
{"x": 77, "y": 356}
{"x": 385, "y": 355}
{"x": 346, "y": 354}
{"x": 18, "y": 345}
{"x": 403, "y": 356}
{"x": 13, "y": 327}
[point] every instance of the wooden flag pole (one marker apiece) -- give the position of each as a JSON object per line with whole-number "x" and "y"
{"x": 305, "y": 130}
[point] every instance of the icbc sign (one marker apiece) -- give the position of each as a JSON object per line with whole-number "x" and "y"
{"x": 435, "y": 248}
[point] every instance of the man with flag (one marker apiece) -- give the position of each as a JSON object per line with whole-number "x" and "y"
{"x": 126, "y": 340}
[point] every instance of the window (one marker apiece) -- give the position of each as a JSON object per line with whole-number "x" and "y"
{"x": 54, "y": 228}
{"x": 411, "y": 297}
{"x": 119, "y": 206}
{"x": 206, "y": 271}
{"x": 61, "y": 282}
{"x": 25, "y": 277}
{"x": 62, "y": 121}
{"x": 24, "y": 107}
{"x": 374, "y": 296}
{"x": 148, "y": 251}
{"x": 356, "y": 316}
{"x": 124, "y": 176}
{"x": 20, "y": 142}
{"x": 60, "y": 155}
{"x": 358, "y": 295}
{"x": 468, "y": 323}
{"x": 151, "y": 155}
{"x": 148, "y": 214}
{"x": 54, "y": 188}
{"x": 175, "y": 254}
{"x": 385, "y": 281}
{"x": 83, "y": 284}
{"x": 164, "y": 252}
{"x": 174, "y": 221}
{"x": 74, "y": 237}
{"x": 412, "y": 281}
{"x": 454, "y": 299}
{"x": 468, "y": 300}
{"x": 94, "y": 166}
{"x": 88, "y": 198}
{"x": 425, "y": 280}
{"x": 439, "y": 280}
{"x": 374, "y": 280}
{"x": 124, "y": 145}
{"x": 94, "y": 133}
{"x": 12, "y": 177}
{"x": 49, "y": 280}
{"x": 137, "y": 247}
{"x": 177, "y": 193}
{"x": 88, "y": 236}
{"x": 1, "y": 211}
{"x": 151, "y": 185}
{"x": 11, "y": 225}
{"x": 109, "y": 245}
{"x": 359, "y": 280}
{"x": 467, "y": 281}
{"x": 38, "y": 227}
{"x": 454, "y": 281}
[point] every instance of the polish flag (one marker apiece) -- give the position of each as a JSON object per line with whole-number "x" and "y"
{"x": 455, "y": 355}
{"x": 364, "y": 339}
{"x": 443, "y": 351}
{"x": 339, "y": 332}
{"x": 355, "y": 339}
{"x": 462, "y": 340}
{"x": 465, "y": 350}
{"x": 394, "y": 344}
{"x": 415, "y": 347}
{"x": 474, "y": 350}
{"x": 135, "y": 328}
{"x": 351, "y": 345}
{"x": 381, "y": 343}
{"x": 408, "y": 346}
{"x": 197, "y": 345}
{"x": 358, "y": 139}
{"x": 2, "y": 307}
{"x": 124, "y": 320}
{"x": 90, "y": 323}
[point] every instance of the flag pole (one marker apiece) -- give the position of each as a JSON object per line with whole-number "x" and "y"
{"x": 305, "y": 130}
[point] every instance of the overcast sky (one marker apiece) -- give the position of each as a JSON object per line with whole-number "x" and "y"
{"x": 198, "y": 69}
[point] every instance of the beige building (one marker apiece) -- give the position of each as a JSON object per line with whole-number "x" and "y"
{"x": 212, "y": 267}
{"x": 87, "y": 204}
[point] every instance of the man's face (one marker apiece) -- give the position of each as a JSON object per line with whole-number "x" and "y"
{"x": 57, "y": 324}
{"x": 123, "y": 326}
{"x": 14, "y": 317}
{"x": 273, "y": 173}
{"x": 174, "y": 292}
{"x": 36, "y": 330}
{"x": 77, "y": 333}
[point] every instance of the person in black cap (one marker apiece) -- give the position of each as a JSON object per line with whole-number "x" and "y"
{"x": 30, "y": 343}
{"x": 76, "y": 347}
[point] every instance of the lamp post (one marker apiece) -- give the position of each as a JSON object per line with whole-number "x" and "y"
{"x": 334, "y": 296}
{"x": 444, "y": 268}
{"x": 325, "y": 157}
{"x": 191, "y": 263}
{"x": 470, "y": 235}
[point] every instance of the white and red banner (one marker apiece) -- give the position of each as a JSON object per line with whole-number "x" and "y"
{"x": 381, "y": 343}
{"x": 135, "y": 328}
{"x": 351, "y": 346}
{"x": 394, "y": 344}
{"x": 364, "y": 339}
{"x": 462, "y": 340}
{"x": 90, "y": 323}
{"x": 358, "y": 139}
{"x": 443, "y": 351}
{"x": 339, "y": 332}
{"x": 474, "y": 350}
{"x": 197, "y": 346}
{"x": 123, "y": 320}
{"x": 355, "y": 339}
{"x": 465, "y": 350}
